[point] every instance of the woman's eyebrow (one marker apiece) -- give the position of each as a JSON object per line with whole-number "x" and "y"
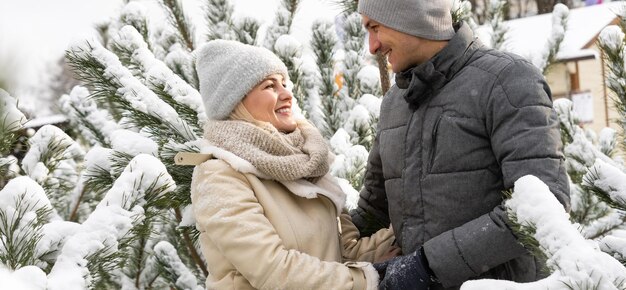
{"x": 276, "y": 79}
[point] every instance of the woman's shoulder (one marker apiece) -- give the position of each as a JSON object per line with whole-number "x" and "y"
{"x": 216, "y": 166}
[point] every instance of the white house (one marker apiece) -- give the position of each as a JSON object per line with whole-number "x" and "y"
{"x": 579, "y": 74}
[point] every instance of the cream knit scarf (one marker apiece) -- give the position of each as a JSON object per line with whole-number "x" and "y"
{"x": 302, "y": 153}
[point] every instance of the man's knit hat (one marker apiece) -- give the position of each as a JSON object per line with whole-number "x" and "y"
{"x": 429, "y": 19}
{"x": 228, "y": 70}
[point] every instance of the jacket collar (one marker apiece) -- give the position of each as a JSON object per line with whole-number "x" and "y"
{"x": 425, "y": 79}
{"x": 327, "y": 185}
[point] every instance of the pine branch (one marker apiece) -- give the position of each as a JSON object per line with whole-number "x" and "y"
{"x": 347, "y": 7}
{"x": 8, "y": 134}
{"x": 134, "y": 16}
{"x": 190, "y": 246}
{"x": 291, "y": 6}
{"x": 170, "y": 263}
{"x": 496, "y": 15}
{"x": 323, "y": 41}
{"x": 589, "y": 184}
{"x": 85, "y": 122}
{"x": 525, "y": 235}
{"x": 116, "y": 87}
{"x": 176, "y": 17}
{"x": 155, "y": 75}
{"x": 611, "y": 43}
{"x": 560, "y": 18}
{"x": 218, "y": 15}
{"x": 354, "y": 46}
{"x": 246, "y": 30}
{"x": 20, "y": 233}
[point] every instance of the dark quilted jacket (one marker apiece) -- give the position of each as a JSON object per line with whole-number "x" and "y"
{"x": 478, "y": 120}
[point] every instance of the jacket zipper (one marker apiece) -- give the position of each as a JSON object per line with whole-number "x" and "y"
{"x": 434, "y": 142}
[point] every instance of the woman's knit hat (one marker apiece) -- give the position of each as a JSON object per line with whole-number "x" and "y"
{"x": 228, "y": 70}
{"x": 429, "y": 19}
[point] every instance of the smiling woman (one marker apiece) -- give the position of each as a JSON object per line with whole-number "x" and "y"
{"x": 268, "y": 196}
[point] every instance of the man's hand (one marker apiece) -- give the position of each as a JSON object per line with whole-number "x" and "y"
{"x": 406, "y": 272}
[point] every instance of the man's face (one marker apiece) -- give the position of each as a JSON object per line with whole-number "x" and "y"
{"x": 403, "y": 51}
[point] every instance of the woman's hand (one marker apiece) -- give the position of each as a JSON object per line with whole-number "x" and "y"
{"x": 393, "y": 251}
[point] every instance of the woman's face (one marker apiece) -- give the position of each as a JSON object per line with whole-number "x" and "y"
{"x": 270, "y": 102}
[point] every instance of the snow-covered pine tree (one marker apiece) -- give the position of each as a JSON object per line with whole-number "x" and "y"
{"x": 11, "y": 121}
{"x": 559, "y": 25}
{"x": 496, "y": 21}
{"x": 353, "y": 46}
{"x": 282, "y": 23}
{"x": 612, "y": 43}
{"x": 289, "y": 50}
{"x": 323, "y": 41}
{"x": 52, "y": 161}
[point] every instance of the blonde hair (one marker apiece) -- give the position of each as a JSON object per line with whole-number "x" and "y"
{"x": 242, "y": 114}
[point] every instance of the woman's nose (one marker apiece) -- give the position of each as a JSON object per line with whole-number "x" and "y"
{"x": 285, "y": 94}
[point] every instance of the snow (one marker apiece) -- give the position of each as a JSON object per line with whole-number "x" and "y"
{"x": 340, "y": 142}
{"x": 30, "y": 192}
{"x": 46, "y": 120}
{"x": 576, "y": 261}
{"x": 359, "y": 117}
{"x": 288, "y": 45}
{"x": 369, "y": 78}
{"x": 158, "y": 73}
{"x": 100, "y": 232}
{"x": 352, "y": 195}
{"x": 11, "y": 118}
{"x": 613, "y": 37}
{"x": 167, "y": 253}
{"x": 609, "y": 179}
{"x": 371, "y": 103}
{"x": 115, "y": 215}
{"x": 528, "y": 36}
{"x": 132, "y": 90}
{"x": 41, "y": 143}
{"x": 142, "y": 173}
{"x": 97, "y": 158}
{"x": 35, "y": 33}
{"x": 133, "y": 143}
{"x": 78, "y": 102}
{"x": 188, "y": 218}
{"x": 25, "y": 278}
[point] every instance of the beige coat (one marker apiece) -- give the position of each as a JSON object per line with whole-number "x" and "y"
{"x": 256, "y": 234}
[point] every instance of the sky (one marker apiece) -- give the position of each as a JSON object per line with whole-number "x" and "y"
{"x": 35, "y": 33}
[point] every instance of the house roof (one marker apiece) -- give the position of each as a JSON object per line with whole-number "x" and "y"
{"x": 528, "y": 36}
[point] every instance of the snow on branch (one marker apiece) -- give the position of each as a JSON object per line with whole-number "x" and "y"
{"x": 104, "y": 70}
{"x": 24, "y": 208}
{"x": 96, "y": 246}
{"x": 577, "y": 263}
{"x": 168, "y": 259}
{"x": 183, "y": 97}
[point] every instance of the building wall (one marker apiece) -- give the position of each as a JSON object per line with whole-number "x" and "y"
{"x": 590, "y": 79}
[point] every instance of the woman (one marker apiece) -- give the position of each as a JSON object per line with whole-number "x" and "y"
{"x": 266, "y": 207}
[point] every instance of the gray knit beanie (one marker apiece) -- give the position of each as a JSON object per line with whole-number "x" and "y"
{"x": 228, "y": 70}
{"x": 429, "y": 19}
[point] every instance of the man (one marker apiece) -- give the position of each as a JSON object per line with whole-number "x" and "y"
{"x": 459, "y": 127}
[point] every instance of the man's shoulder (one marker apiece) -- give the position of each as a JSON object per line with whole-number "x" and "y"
{"x": 498, "y": 62}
